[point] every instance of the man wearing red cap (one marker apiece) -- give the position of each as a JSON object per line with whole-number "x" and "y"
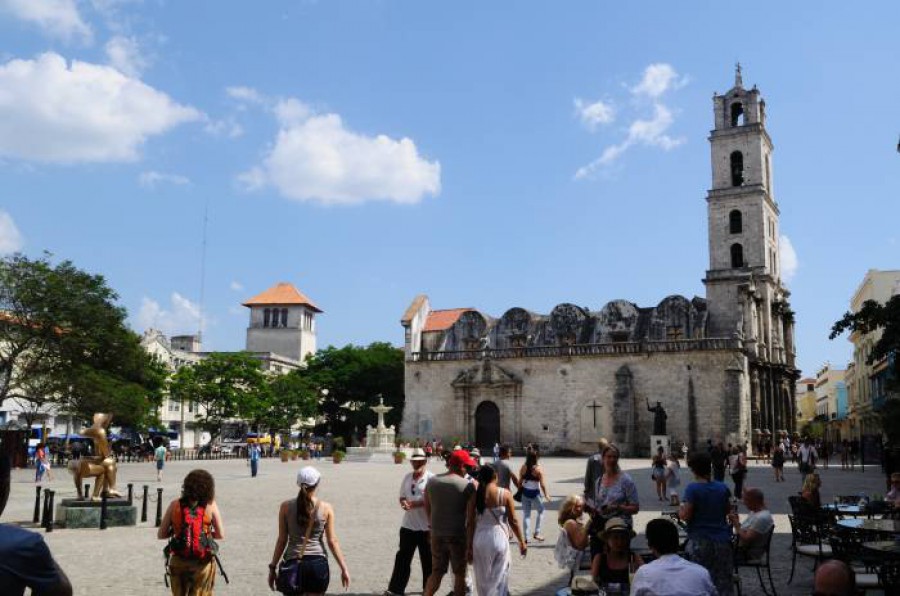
{"x": 446, "y": 497}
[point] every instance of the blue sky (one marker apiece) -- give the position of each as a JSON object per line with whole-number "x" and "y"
{"x": 487, "y": 154}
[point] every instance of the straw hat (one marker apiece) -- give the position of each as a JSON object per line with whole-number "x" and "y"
{"x": 616, "y": 524}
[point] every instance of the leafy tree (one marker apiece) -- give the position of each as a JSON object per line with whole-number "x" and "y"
{"x": 64, "y": 343}
{"x": 225, "y": 385}
{"x": 354, "y": 377}
{"x": 873, "y": 316}
{"x": 291, "y": 397}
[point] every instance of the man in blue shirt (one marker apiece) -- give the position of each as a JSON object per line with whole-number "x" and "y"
{"x": 25, "y": 560}
{"x": 255, "y": 454}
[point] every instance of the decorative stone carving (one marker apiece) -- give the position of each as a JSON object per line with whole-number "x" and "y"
{"x": 567, "y": 322}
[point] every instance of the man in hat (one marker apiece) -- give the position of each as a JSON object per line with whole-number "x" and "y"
{"x": 25, "y": 560}
{"x": 415, "y": 527}
{"x": 446, "y": 498}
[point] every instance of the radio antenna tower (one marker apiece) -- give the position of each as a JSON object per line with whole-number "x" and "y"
{"x": 202, "y": 272}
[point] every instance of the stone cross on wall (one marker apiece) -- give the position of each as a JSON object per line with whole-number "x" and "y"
{"x": 594, "y": 407}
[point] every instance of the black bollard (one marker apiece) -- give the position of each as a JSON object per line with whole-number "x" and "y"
{"x": 103, "y": 499}
{"x": 87, "y": 488}
{"x": 158, "y": 507}
{"x": 46, "y": 509}
{"x": 144, "y": 506}
{"x": 37, "y": 504}
{"x": 130, "y": 493}
{"x": 50, "y": 511}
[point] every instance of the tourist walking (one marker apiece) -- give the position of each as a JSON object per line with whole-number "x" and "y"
{"x": 673, "y": 479}
{"x": 615, "y": 495}
{"x": 806, "y": 459}
{"x": 705, "y": 508}
{"x": 304, "y": 525}
{"x": 778, "y": 463}
{"x": 532, "y": 479}
{"x": 738, "y": 464}
{"x": 506, "y": 478}
{"x": 490, "y": 523}
{"x": 845, "y": 454}
{"x": 192, "y": 524}
{"x": 41, "y": 463}
{"x": 658, "y": 464}
{"x": 159, "y": 454}
{"x": 254, "y": 454}
{"x": 414, "y": 529}
{"x": 719, "y": 460}
{"x": 446, "y": 501}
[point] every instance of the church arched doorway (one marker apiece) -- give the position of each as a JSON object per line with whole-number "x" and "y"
{"x": 487, "y": 425}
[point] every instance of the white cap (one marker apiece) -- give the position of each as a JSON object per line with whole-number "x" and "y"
{"x": 308, "y": 476}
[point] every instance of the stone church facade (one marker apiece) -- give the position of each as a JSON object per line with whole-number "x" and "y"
{"x": 721, "y": 366}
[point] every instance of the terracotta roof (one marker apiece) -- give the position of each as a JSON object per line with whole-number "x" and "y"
{"x": 282, "y": 293}
{"x": 439, "y": 320}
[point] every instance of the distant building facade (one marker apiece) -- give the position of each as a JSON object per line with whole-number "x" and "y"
{"x": 806, "y": 401}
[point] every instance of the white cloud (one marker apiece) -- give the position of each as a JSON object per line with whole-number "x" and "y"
{"x": 246, "y": 95}
{"x": 51, "y": 111}
{"x": 227, "y": 127}
{"x": 152, "y": 179}
{"x": 236, "y": 286}
{"x": 657, "y": 79}
{"x": 58, "y": 18}
{"x": 182, "y": 316}
{"x": 788, "y": 258}
{"x": 594, "y": 114}
{"x": 316, "y": 158}
{"x": 124, "y": 54}
{"x": 11, "y": 239}
{"x": 649, "y": 132}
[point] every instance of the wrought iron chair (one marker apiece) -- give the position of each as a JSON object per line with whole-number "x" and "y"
{"x": 758, "y": 563}
{"x": 889, "y": 575}
{"x": 808, "y": 540}
{"x": 847, "y": 547}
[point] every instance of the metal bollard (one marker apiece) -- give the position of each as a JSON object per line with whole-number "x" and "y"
{"x": 158, "y": 507}
{"x": 50, "y": 511}
{"x": 103, "y": 499}
{"x": 130, "y": 493}
{"x": 37, "y": 504}
{"x": 87, "y": 489}
{"x": 144, "y": 506}
{"x": 44, "y": 511}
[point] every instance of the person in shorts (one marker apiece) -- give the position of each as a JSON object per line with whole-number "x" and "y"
{"x": 446, "y": 499}
{"x": 160, "y": 455}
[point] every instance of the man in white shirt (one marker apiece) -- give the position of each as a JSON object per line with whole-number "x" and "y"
{"x": 415, "y": 527}
{"x": 669, "y": 574}
{"x": 755, "y": 527}
{"x": 807, "y": 456}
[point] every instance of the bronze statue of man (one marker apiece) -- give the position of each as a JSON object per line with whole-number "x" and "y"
{"x": 102, "y": 465}
{"x": 659, "y": 418}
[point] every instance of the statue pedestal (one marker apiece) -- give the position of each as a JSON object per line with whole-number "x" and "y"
{"x": 77, "y": 513}
{"x": 657, "y": 441}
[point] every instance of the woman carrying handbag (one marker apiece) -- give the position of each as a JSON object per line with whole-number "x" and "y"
{"x": 304, "y": 524}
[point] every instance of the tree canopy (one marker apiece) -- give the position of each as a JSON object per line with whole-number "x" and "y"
{"x": 64, "y": 343}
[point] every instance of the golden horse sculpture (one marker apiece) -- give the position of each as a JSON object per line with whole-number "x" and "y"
{"x": 102, "y": 465}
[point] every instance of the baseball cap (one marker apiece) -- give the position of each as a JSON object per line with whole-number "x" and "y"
{"x": 461, "y": 457}
{"x": 308, "y": 476}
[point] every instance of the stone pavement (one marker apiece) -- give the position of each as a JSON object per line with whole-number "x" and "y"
{"x": 126, "y": 561}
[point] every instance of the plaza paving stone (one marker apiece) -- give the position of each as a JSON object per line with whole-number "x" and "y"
{"x": 126, "y": 561}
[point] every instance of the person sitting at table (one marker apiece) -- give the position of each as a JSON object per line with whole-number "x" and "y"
{"x": 893, "y": 495}
{"x": 669, "y": 574}
{"x": 751, "y": 534}
{"x": 810, "y": 492}
{"x": 614, "y": 564}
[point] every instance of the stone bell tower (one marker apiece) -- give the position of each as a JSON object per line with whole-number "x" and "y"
{"x": 744, "y": 291}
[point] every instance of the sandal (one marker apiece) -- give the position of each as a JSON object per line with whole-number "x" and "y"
{"x": 538, "y": 538}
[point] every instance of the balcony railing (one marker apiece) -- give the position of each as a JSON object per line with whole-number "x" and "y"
{"x": 607, "y": 349}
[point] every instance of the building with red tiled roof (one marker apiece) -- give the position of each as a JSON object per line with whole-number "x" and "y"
{"x": 282, "y": 294}
{"x": 283, "y": 322}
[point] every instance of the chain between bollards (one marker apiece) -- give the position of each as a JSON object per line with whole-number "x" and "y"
{"x": 37, "y": 504}
{"x": 159, "y": 492}
{"x": 103, "y": 499}
{"x": 50, "y": 511}
{"x": 144, "y": 506}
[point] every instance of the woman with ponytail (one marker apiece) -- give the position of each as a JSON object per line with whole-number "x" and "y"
{"x": 491, "y": 519}
{"x": 304, "y": 525}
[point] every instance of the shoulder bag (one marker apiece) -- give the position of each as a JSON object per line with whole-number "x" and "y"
{"x": 290, "y": 576}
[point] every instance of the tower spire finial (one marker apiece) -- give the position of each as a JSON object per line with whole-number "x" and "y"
{"x": 738, "y": 81}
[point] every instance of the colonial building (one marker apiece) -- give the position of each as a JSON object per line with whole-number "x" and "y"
{"x": 721, "y": 366}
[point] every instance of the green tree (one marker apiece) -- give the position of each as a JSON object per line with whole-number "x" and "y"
{"x": 291, "y": 397}
{"x": 225, "y": 385}
{"x": 354, "y": 377}
{"x": 63, "y": 341}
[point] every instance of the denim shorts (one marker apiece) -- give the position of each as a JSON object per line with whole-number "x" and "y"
{"x": 314, "y": 574}
{"x": 159, "y": 464}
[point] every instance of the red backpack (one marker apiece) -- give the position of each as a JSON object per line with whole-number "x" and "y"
{"x": 191, "y": 534}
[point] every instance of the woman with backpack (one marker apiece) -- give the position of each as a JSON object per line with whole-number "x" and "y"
{"x": 299, "y": 564}
{"x": 192, "y": 524}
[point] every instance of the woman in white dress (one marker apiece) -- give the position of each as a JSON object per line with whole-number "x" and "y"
{"x": 491, "y": 520}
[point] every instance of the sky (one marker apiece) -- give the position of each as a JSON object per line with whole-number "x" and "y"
{"x": 489, "y": 155}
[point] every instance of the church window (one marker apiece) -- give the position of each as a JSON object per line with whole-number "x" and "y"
{"x": 737, "y": 256}
{"x": 284, "y": 317}
{"x": 737, "y": 168}
{"x": 266, "y": 317}
{"x": 735, "y": 222}
{"x": 737, "y": 114}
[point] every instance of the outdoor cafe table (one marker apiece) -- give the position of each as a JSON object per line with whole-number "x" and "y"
{"x": 882, "y": 526}
{"x": 883, "y": 547}
{"x": 849, "y": 510}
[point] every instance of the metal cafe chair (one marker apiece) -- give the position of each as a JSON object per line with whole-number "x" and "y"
{"x": 764, "y": 561}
